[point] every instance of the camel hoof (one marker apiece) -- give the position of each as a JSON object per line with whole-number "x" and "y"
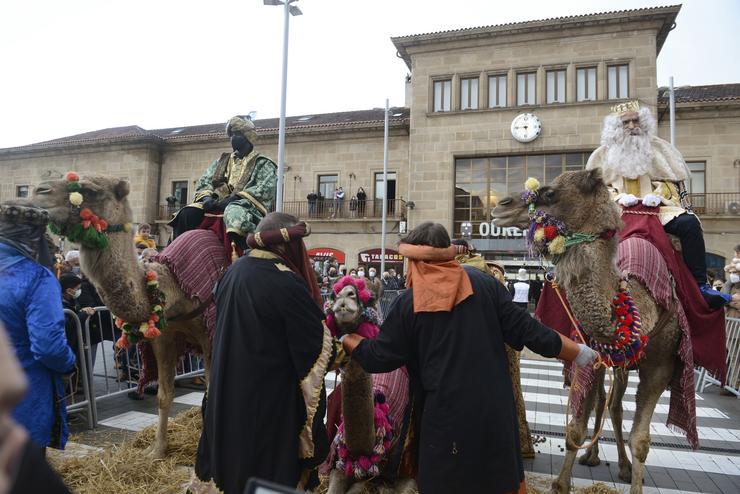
{"x": 558, "y": 488}
{"x": 625, "y": 473}
{"x": 589, "y": 459}
{"x": 156, "y": 453}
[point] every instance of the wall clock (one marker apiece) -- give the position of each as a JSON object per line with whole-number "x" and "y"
{"x": 526, "y": 127}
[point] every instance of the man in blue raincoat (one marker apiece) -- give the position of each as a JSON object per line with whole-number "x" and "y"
{"x": 31, "y": 310}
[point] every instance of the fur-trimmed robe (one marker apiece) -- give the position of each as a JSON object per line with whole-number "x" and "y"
{"x": 264, "y": 412}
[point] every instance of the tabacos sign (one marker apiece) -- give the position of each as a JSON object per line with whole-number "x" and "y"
{"x": 492, "y": 230}
{"x": 373, "y": 256}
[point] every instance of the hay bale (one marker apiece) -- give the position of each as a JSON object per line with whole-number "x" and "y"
{"x": 126, "y": 468}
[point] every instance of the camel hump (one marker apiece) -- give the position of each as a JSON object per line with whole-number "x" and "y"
{"x": 195, "y": 259}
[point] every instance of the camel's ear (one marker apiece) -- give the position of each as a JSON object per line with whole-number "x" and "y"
{"x": 121, "y": 189}
{"x": 589, "y": 181}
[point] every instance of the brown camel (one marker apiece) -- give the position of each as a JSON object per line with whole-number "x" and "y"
{"x": 358, "y": 408}
{"x": 589, "y": 274}
{"x": 119, "y": 278}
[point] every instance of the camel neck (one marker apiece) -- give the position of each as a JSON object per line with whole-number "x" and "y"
{"x": 118, "y": 277}
{"x": 590, "y": 277}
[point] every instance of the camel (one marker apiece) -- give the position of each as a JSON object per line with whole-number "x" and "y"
{"x": 358, "y": 407}
{"x": 590, "y": 277}
{"x": 120, "y": 280}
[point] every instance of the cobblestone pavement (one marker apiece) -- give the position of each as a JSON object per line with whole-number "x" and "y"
{"x": 672, "y": 466}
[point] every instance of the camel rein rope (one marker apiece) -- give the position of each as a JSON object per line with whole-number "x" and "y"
{"x": 574, "y": 383}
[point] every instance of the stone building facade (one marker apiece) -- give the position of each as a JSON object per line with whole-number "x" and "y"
{"x": 452, "y": 154}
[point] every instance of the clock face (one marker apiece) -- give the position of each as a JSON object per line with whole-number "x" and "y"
{"x": 526, "y": 127}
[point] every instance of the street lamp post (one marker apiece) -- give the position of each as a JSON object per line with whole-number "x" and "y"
{"x": 289, "y": 10}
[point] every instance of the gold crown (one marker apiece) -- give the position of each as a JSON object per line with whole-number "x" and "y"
{"x": 627, "y": 107}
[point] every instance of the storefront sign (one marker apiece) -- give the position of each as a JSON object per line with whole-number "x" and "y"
{"x": 373, "y": 256}
{"x": 492, "y": 230}
{"x": 323, "y": 253}
{"x": 504, "y": 245}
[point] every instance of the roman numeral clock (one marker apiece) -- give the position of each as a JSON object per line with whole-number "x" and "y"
{"x": 526, "y": 127}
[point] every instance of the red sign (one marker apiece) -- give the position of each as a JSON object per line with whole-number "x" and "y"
{"x": 373, "y": 256}
{"x": 323, "y": 253}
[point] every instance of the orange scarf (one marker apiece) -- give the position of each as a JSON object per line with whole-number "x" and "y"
{"x": 439, "y": 283}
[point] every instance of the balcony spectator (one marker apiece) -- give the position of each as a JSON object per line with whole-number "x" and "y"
{"x": 353, "y": 207}
{"x": 361, "y": 202}
{"x": 312, "y": 197}
{"x": 338, "y": 202}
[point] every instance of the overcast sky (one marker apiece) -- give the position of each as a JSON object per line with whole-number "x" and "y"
{"x": 72, "y": 66}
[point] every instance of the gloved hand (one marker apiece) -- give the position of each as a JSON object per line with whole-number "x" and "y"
{"x": 651, "y": 200}
{"x": 227, "y": 200}
{"x": 628, "y": 200}
{"x": 209, "y": 204}
{"x": 585, "y": 355}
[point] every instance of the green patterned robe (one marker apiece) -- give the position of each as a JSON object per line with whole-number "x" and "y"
{"x": 253, "y": 178}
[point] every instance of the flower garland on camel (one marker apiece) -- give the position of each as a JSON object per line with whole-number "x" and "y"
{"x": 154, "y": 325}
{"x": 362, "y": 466}
{"x": 91, "y": 232}
{"x": 548, "y": 236}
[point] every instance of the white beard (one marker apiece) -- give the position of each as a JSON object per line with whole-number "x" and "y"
{"x": 628, "y": 156}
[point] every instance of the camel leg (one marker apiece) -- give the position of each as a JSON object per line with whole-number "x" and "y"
{"x": 653, "y": 380}
{"x": 591, "y": 456}
{"x": 166, "y": 354}
{"x": 201, "y": 336}
{"x": 338, "y": 482}
{"x": 576, "y": 433}
{"x": 621, "y": 378}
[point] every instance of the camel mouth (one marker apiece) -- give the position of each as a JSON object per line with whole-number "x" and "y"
{"x": 42, "y": 189}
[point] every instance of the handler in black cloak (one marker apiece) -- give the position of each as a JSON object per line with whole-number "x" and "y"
{"x": 266, "y": 399}
{"x": 449, "y": 330}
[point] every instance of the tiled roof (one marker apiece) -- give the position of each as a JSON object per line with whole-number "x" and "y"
{"x": 360, "y": 119}
{"x": 670, "y": 12}
{"x": 701, "y": 94}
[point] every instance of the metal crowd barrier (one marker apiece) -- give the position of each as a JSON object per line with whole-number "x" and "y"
{"x": 386, "y": 301}
{"x": 732, "y": 383}
{"x": 85, "y": 405}
{"x": 117, "y": 371}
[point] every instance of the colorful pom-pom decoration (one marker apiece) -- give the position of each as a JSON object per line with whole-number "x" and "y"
{"x": 532, "y": 184}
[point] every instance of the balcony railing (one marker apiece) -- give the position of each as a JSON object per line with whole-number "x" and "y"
{"x": 330, "y": 209}
{"x": 325, "y": 209}
{"x": 165, "y": 212}
{"x": 716, "y": 203}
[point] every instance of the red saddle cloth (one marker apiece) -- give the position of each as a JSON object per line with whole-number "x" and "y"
{"x": 215, "y": 223}
{"x": 647, "y": 254}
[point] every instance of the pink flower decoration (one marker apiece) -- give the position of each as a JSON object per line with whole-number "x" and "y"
{"x": 122, "y": 341}
{"x": 331, "y": 324}
{"x": 365, "y": 295}
{"x": 367, "y": 330}
{"x": 365, "y": 463}
{"x": 359, "y": 283}
{"x": 348, "y": 468}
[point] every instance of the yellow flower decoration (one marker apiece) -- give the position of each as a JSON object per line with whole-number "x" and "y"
{"x": 557, "y": 245}
{"x": 143, "y": 326}
{"x": 532, "y": 184}
{"x": 539, "y": 235}
{"x": 75, "y": 198}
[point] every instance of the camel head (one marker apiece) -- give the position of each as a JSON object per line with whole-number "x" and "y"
{"x": 347, "y": 310}
{"x": 579, "y": 199}
{"x": 352, "y": 308}
{"x": 511, "y": 211}
{"x": 106, "y": 197}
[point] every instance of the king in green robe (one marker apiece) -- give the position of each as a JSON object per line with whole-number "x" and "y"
{"x": 241, "y": 185}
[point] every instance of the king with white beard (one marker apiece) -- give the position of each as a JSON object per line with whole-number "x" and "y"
{"x": 640, "y": 166}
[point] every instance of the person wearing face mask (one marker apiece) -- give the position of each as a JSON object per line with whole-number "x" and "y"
{"x": 732, "y": 288}
{"x": 241, "y": 184}
{"x": 373, "y": 283}
{"x": 31, "y": 311}
{"x": 73, "y": 261}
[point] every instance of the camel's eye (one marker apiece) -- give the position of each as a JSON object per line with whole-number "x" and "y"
{"x": 549, "y": 195}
